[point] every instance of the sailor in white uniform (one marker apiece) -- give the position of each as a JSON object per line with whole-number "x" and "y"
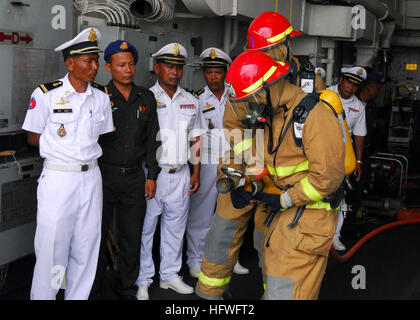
{"x": 65, "y": 119}
{"x": 181, "y": 126}
{"x": 351, "y": 80}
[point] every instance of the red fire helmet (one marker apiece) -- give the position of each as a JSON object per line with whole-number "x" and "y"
{"x": 250, "y": 70}
{"x": 268, "y": 29}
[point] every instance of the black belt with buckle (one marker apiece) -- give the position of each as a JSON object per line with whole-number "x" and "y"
{"x": 117, "y": 169}
{"x": 84, "y": 167}
{"x": 173, "y": 170}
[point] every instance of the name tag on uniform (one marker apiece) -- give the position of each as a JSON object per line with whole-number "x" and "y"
{"x": 207, "y": 110}
{"x": 307, "y": 85}
{"x": 187, "y": 106}
{"x": 62, "y": 110}
{"x": 161, "y": 106}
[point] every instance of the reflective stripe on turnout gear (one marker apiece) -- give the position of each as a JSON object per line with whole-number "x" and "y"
{"x": 309, "y": 190}
{"x": 288, "y": 170}
{"x": 242, "y": 146}
{"x": 319, "y": 205}
{"x": 214, "y": 282}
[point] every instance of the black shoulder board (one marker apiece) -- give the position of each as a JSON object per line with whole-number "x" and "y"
{"x": 192, "y": 92}
{"x": 144, "y": 90}
{"x": 199, "y": 92}
{"x": 45, "y": 87}
{"x": 100, "y": 87}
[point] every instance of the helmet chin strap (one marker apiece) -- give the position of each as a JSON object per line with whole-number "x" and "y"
{"x": 284, "y": 129}
{"x": 269, "y": 108}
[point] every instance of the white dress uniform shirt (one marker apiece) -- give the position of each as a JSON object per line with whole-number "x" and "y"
{"x": 81, "y": 116}
{"x": 214, "y": 144}
{"x": 355, "y": 113}
{"x": 69, "y": 199}
{"x": 203, "y": 202}
{"x": 180, "y": 122}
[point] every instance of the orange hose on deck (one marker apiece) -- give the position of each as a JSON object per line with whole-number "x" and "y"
{"x": 371, "y": 234}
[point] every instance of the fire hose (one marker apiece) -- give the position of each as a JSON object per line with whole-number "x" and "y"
{"x": 352, "y": 251}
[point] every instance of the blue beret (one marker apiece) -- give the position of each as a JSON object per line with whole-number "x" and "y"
{"x": 120, "y": 46}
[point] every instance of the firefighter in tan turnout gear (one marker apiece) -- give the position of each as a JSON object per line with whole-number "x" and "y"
{"x": 305, "y": 155}
{"x": 271, "y": 33}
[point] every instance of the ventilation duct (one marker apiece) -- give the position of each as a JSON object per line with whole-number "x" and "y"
{"x": 153, "y": 10}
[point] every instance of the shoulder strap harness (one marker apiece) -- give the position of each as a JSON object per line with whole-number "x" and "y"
{"x": 300, "y": 113}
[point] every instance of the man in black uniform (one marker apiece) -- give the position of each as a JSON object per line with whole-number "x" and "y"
{"x": 132, "y": 141}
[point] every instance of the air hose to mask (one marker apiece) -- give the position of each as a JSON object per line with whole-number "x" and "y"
{"x": 270, "y": 128}
{"x": 352, "y": 251}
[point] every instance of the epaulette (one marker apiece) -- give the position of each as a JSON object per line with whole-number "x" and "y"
{"x": 45, "y": 87}
{"x": 100, "y": 87}
{"x": 199, "y": 92}
{"x": 144, "y": 90}
{"x": 192, "y": 92}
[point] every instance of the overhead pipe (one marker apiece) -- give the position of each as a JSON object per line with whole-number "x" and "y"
{"x": 228, "y": 33}
{"x": 235, "y": 34}
{"x": 405, "y": 41}
{"x": 389, "y": 28}
{"x": 230, "y": 39}
{"x": 379, "y": 8}
{"x": 330, "y": 66}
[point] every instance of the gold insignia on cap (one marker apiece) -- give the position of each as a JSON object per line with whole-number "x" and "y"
{"x": 359, "y": 72}
{"x": 175, "y": 50}
{"x": 213, "y": 53}
{"x": 92, "y": 35}
{"x": 61, "y": 131}
{"x": 124, "y": 46}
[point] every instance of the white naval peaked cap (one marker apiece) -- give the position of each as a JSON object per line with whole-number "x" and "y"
{"x": 85, "y": 42}
{"x": 173, "y": 53}
{"x": 320, "y": 71}
{"x": 214, "y": 57}
{"x": 356, "y": 74}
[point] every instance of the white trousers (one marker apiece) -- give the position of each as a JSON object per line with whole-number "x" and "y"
{"x": 202, "y": 206}
{"x": 68, "y": 233}
{"x": 340, "y": 221}
{"x": 172, "y": 203}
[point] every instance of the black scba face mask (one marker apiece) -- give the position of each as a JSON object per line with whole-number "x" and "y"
{"x": 255, "y": 116}
{"x": 253, "y": 113}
